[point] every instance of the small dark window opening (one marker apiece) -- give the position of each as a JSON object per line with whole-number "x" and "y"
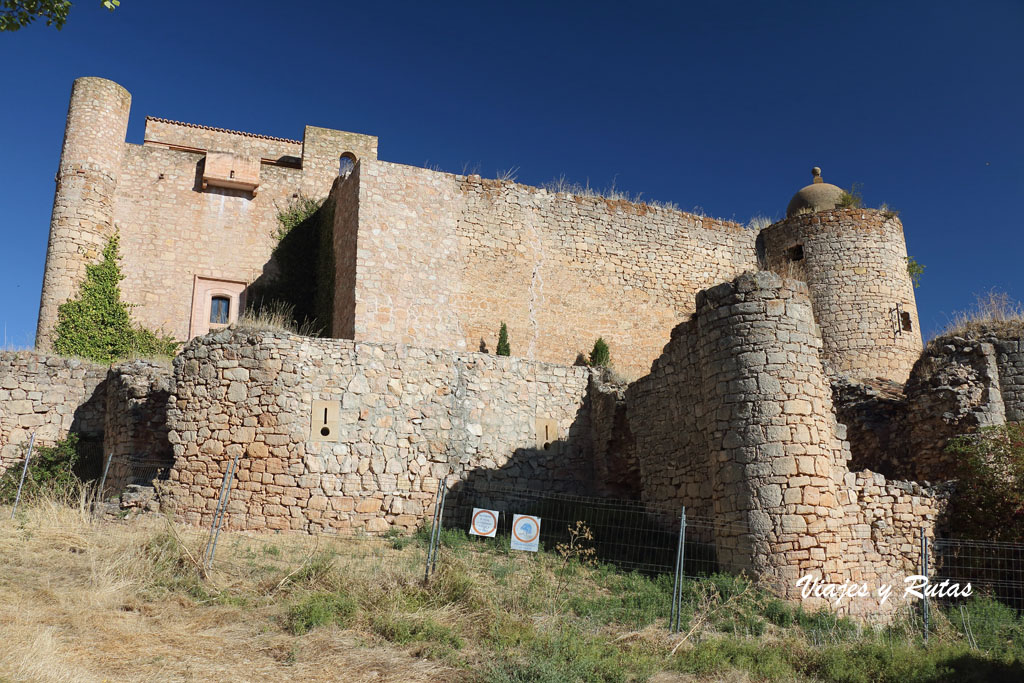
{"x": 220, "y": 307}
{"x": 796, "y": 253}
{"x": 905, "y": 322}
{"x": 346, "y": 163}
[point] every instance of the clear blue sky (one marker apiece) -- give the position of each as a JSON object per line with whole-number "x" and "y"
{"x": 725, "y": 106}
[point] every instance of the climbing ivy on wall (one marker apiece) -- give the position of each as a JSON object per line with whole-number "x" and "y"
{"x": 304, "y": 257}
{"x": 97, "y": 324}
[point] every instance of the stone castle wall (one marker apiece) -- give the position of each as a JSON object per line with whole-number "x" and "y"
{"x": 50, "y": 396}
{"x": 854, "y": 262}
{"x": 172, "y": 229}
{"x": 442, "y": 260}
{"x": 736, "y": 422}
{"x": 400, "y": 419}
{"x": 83, "y": 204}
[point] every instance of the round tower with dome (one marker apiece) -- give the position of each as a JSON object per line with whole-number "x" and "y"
{"x": 854, "y": 261}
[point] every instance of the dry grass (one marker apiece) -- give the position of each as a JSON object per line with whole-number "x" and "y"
{"x": 564, "y": 186}
{"x": 275, "y": 316}
{"x": 994, "y": 313}
{"x": 88, "y": 601}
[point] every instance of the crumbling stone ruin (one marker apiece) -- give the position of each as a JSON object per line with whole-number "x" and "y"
{"x": 782, "y": 388}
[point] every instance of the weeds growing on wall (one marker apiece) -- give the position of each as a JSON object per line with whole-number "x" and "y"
{"x": 97, "y": 324}
{"x": 503, "y": 346}
{"x": 51, "y": 473}
{"x": 915, "y": 270}
{"x": 852, "y": 198}
{"x": 993, "y": 313}
{"x": 304, "y": 259}
{"x": 989, "y": 500}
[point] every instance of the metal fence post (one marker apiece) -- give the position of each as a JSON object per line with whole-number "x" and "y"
{"x": 24, "y": 471}
{"x": 103, "y": 480}
{"x": 677, "y": 586}
{"x": 218, "y": 515}
{"x": 440, "y": 525}
{"x": 924, "y": 572}
{"x": 433, "y": 531}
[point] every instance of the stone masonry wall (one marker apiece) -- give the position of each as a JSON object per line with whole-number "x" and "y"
{"x": 855, "y": 263}
{"x": 444, "y": 259}
{"x": 736, "y": 422}
{"x": 135, "y": 424}
{"x": 172, "y": 230}
{"x": 50, "y": 396}
{"x": 405, "y": 418}
{"x": 1010, "y": 363}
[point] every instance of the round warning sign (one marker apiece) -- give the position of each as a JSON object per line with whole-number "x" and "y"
{"x": 484, "y": 522}
{"x": 525, "y": 532}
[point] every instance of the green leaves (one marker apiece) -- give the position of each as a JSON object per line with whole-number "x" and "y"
{"x": 16, "y": 14}
{"x": 97, "y": 325}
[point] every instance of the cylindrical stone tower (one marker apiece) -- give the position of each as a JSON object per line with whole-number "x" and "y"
{"x": 777, "y": 457}
{"x": 83, "y": 206}
{"x": 854, "y": 262}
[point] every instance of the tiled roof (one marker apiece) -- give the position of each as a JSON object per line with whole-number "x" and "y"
{"x": 222, "y": 130}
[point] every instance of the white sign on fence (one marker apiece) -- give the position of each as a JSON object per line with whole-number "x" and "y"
{"x": 525, "y": 532}
{"x": 484, "y": 522}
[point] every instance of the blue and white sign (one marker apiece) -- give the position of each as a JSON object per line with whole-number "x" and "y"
{"x": 525, "y": 532}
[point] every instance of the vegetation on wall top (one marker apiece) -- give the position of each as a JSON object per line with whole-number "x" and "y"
{"x": 989, "y": 500}
{"x": 302, "y": 288}
{"x": 97, "y": 325}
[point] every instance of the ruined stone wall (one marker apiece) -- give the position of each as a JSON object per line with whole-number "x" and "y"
{"x": 882, "y": 528}
{"x": 135, "y": 422}
{"x": 406, "y": 417}
{"x": 736, "y": 422}
{"x": 1010, "y": 364}
{"x": 444, "y": 259}
{"x": 50, "y": 396}
{"x": 778, "y": 457}
{"x": 854, "y": 262}
{"x": 666, "y": 413}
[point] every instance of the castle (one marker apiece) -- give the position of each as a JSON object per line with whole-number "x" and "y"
{"x": 774, "y": 367}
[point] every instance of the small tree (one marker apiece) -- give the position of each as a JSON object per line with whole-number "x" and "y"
{"x": 600, "y": 355}
{"x": 503, "y": 347}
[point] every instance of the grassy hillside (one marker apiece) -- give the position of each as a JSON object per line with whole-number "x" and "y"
{"x": 128, "y": 601}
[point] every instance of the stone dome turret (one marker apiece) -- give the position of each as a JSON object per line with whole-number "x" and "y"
{"x": 818, "y": 196}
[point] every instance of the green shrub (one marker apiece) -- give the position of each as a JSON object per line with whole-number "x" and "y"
{"x": 989, "y": 500}
{"x": 50, "y": 472}
{"x": 600, "y": 355}
{"x": 320, "y": 609}
{"x": 96, "y": 324}
{"x": 503, "y": 347}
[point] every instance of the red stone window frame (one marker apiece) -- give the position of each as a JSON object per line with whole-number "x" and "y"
{"x": 204, "y": 289}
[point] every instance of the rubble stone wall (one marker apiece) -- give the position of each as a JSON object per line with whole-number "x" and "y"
{"x": 405, "y": 418}
{"x": 50, "y": 396}
{"x": 135, "y": 424}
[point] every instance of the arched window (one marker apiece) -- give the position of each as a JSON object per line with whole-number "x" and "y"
{"x": 346, "y": 164}
{"x": 220, "y": 310}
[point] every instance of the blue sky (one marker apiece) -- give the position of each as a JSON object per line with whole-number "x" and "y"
{"x": 722, "y": 106}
